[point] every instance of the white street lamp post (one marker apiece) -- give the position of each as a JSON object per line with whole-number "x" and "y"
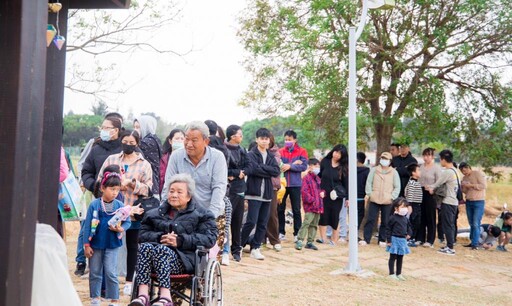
{"x": 353, "y": 261}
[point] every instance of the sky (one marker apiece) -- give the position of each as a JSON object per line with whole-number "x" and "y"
{"x": 205, "y": 84}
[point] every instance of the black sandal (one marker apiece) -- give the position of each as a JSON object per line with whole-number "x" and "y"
{"x": 163, "y": 301}
{"x": 141, "y": 300}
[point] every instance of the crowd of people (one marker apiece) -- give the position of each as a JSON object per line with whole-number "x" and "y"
{"x": 215, "y": 193}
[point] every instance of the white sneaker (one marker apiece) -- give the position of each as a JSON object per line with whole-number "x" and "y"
{"x": 362, "y": 243}
{"x": 127, "y": 290}
{"x": 342, "y": 240}
{"x": 256, "y": 254}
{"x": 427, "y": 245}
{"x": 295, "y": 239}
{"x": 382, "y": 244}
{"x": 277, "y": 247}
{"x": 225, "y": 259}
{"x": 282, "y": 237}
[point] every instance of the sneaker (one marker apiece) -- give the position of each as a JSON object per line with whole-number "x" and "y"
{"x": 282, "y": 237}
{"x": 428, "y": 245}
{"x": 342, "y": 240}
{"x": 475, "y": 248}
{"x": 256, "y": 254}
{"x": 362, "y": 243}
{"x": 127, "y": 289}
{"x": 80, "y": 268}
{"x": 237, "y": 256}
{"x": 225, "y": 259}
{"x": 468, "y": 245}
{"x": 419, "y": 243}
{"x": 311, "y": 246}
{"x": 383, "y": 244}
{"x": 320, "y": 241}
{"x": 400, "y": 277}
{"x": 277, "y": 247}
{"x": 332, "y": 243}
{"x": 501, "y": 248}
{"x": 446, "y": 251}
{"x": 393, "y": 276}
{"x": 298, "y": 245}
{"x": 411, "y": 244}
{"x": 95, "y": 301}
{"x": 295, "y": 238}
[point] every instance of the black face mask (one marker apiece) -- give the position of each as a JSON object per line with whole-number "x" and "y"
{"x": 128, "y": 149}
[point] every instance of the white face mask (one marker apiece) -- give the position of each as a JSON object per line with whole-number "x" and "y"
{"x": 316, "y": 170}
{"x": 402, "y": 211}
{"x": 385, "y": 162}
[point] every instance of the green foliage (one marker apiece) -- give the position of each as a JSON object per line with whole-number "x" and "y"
{"x": 429, "y": 70}
{"x": 78, "y": 129}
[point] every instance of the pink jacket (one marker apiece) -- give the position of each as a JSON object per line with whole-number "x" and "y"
{"x": 64, "y": 169}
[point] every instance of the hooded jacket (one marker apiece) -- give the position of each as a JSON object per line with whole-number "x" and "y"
{"x": 362, "y": 176}
{"x": 195, "y": 226}
{"x": 92, "y": 165}
{"x": 237, "y": 161}
{"x": 151, "y": 147}
{"x": 289, "y": 156}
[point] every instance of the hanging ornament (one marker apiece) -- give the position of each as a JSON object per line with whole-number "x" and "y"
{"x": 59, "y": 41}
{"x": 50, "y": 34}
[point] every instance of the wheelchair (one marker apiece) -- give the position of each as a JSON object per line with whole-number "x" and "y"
{"x": 203, "y": 288}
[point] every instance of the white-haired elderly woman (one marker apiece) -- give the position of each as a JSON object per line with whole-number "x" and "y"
{"x": 169, "y": 237}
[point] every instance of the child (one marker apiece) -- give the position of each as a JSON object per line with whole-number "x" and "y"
{"x": 414, "y": 195}
{"x": 488, "y": 235}
{"x": 101, "y": 241}
{"x": 313, "y": 205}
{"x": 397, "y": 233}
{"x": 505, "y": 224}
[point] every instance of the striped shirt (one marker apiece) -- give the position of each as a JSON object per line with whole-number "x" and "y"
{"x": 139, "y": 170}
{"x": 413, "y": 192}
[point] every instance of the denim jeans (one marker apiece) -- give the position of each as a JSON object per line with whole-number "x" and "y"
{"x": 475, "y": 211}
{"x": 104, "y": 262}
{"x": 80, "y": 255}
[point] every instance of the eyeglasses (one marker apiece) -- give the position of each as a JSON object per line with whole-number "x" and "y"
{"x": 105, "y": 128}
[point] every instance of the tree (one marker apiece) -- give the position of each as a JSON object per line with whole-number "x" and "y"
{"x": 95, "y": 33}
{"x": 100, "y": 108}
{"x": 78, "y": 129}
{"x": 429, "y": 69}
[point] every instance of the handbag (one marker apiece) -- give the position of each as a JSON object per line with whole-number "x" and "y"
{"x": 147, "y": 203}
{"x": 338, "y": 191}
{"x": 69, "y": 203}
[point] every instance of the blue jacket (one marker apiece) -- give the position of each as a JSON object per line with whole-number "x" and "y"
{"x": 293, "y": 176}
{"x": 103, "y": 238}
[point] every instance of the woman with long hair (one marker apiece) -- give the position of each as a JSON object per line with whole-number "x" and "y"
{"x": 333, "y": 172}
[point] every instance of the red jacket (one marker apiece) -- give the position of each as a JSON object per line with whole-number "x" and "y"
{"x": 293, "y": 176}
{"x": 311, "y": 200}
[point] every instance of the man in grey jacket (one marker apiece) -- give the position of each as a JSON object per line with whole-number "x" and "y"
{"x": 449, "y": 207}
{"x": 206, "y": 165}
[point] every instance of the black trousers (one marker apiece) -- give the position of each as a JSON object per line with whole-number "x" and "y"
{"x": 449, "y": 221}
{"x": 373, "y": 214}
{"x": 360, "y": 212}
{"x": 294, "y": 193}
{"x": 132, "y": 247}
{"x": 427, "y": 231}
{"x": 237, "y": 215}
{"x": 415, "y": 220}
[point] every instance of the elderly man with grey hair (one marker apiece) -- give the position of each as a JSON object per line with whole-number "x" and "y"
{"x": 206, "y": 165}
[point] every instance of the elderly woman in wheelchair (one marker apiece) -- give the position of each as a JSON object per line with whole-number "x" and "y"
{"x": 168, "y": 240}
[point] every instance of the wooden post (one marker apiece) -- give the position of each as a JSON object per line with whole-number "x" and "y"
{"x": 52, "y": 122}
{"x": 22, "y": 80}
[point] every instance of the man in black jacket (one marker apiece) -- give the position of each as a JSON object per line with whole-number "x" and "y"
{"x": 262, "y": 167}
{"x": 237, "y": 163}
{"x": 401, "y": 162}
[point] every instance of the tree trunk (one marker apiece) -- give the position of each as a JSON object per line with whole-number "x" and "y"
{"x": 384, "y": 132}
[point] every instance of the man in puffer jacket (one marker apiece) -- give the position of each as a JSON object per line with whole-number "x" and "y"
{"x": 150, "y": 145}
{"x": 295, "y": 161}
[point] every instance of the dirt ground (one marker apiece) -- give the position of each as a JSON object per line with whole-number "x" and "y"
{"x": 309, "y": 277}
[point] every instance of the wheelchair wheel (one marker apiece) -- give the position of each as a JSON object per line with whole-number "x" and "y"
{"x": 213, "y": 284}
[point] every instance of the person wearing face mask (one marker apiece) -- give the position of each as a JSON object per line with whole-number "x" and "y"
{"x": 400, "y": 163}
{"x": 397, "y": 232}
{"x": 312, "y": 200}
{"x": 106, "y": 144}
{"x": 150, "y": 146}
{"x": 137, "y": 180}
{"x": 171, "y": 143}
{"x": 295, "y": 161}
{"x": 382, "y": 187}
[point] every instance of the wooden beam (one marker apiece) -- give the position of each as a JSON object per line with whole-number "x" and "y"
{"x": 22, "y": 65}
{"x": 52, "y": 122}
{"x": 99, "y": 4}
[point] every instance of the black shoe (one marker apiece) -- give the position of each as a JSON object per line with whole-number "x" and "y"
{"x": 236, "y": 257}
{"x": 468, "y": 245}
{"x": 475, "y": 248}
{"x": 80, "y": 268}
{"x": 311, "y": 246}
